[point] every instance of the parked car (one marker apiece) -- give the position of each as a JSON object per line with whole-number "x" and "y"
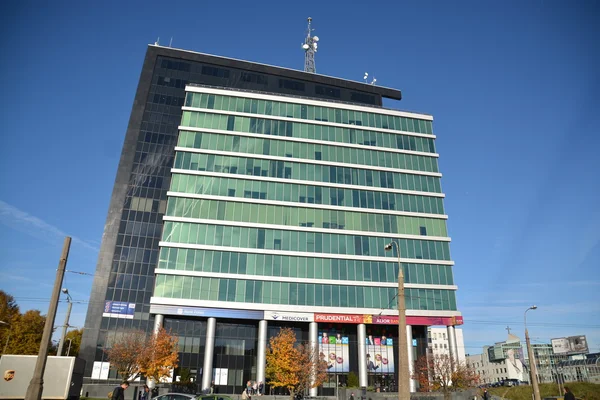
{"x": 213, "y": 397}
{"x": 176, "y": 396}
{"x": 187, "y": 396}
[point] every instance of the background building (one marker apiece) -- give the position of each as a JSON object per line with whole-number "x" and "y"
{"x": 499, "y": 362}
{"x": 546, "y": 361}
{"x": 250, "y": 197}
{"x": 439, "y": 343}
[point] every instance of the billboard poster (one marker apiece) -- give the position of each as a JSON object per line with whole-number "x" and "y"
{"x": 100, "y": 370}
{"x": 380, "y": 355}
{"x": 118, "y": 309}
{"x": 333, "y": 349}
{"x": 570, "y": 345}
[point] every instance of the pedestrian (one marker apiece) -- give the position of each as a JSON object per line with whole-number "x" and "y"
{"x": 246, "y": 394}
{"x": 145, "y": 393}
{"x": 568, "y": 394}
{"x": 254, "y": 388}
{"x": 261, "y": 388}
{"x": 352, "y": 396}
{"x": 249, "y": 388}
{"x": 119, "y": 392}
{"x": 486, "y": 396}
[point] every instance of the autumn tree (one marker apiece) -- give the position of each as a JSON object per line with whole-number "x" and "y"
{"x": 26, "y": 333}
{"x": 293, "y": 366}
{"x": 9, "y": 313}
{"x": 133, "y": 353}
{"x": 160, "y": 356}
{"x": 124, "y": 352}
{"x": 22, "y": 333}
{"x": 75, "y": 341}
{"x": 8, "y": 307}
{"x": 440, "y": 373}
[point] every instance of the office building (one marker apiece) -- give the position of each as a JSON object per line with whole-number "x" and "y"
{"x": 250, "y": 197}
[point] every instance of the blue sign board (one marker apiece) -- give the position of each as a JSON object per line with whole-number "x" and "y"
{"x": 205, "y": 312}
{"x": 119, "y": 309}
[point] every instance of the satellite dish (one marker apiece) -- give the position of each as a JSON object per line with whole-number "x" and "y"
{"x": 305, "y": 46}
{"x": 316, "y": 38}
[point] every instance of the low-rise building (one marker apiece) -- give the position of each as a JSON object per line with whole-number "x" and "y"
{"x": 438, "y": 342}
{"x": 499, "y": 362}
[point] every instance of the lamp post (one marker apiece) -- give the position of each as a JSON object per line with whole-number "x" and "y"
{"x": 66, "y": 325}
{"x": 532, "y": 369}
{"x": 403, "y": 367}
{"x": 69, "y": 348}
{"x": 7, "y": 338}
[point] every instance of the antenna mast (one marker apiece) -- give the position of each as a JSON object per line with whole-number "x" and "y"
{"x": 310, "y": 48}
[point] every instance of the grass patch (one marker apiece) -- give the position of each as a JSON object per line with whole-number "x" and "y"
{"x": 581, "y": 390}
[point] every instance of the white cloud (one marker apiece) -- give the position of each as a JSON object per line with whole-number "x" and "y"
{"x": 22, "y": 221}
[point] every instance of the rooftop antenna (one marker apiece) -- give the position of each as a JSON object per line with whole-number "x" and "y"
{"x": 171, "y": 41}
{"x": 310, "y": 48}
{"x": 367, "y": 77}
{"x": 157, "y": 41}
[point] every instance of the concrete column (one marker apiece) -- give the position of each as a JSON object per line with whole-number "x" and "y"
{"x": 452, "y": 347}
{"x": 261, "y": 358}
{"x": 313, "y": 341}
{"x": 209, "y": 349}
{"x": 361, "y": 332}
{"x": 411, "y": 359}
{"x": 158, "y": 322}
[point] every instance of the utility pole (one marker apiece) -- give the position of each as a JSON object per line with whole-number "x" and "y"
{"x": 403, "y": 367}
{"x": 66, "y": 325}
{"x": 36, "y": 386}
{"x": 533, "y": 368}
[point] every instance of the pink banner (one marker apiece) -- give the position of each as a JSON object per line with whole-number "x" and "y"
{"x": 340, "y": 318}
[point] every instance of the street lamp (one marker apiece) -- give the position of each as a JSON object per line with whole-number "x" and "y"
{"x": 403, "y": 367}
{"x": 8, "y": 337}
{"x": 66, "y": 325}
{"x": 532, "y": 369}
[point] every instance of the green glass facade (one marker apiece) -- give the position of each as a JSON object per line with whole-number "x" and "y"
{"x": 226, "y": 262}
{"x": 307, "y": 112}
{"x": 312, "y": 194}
{"x": 264, "y": 188}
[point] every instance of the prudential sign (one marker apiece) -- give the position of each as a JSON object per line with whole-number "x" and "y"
{"x": 289, "y": 317}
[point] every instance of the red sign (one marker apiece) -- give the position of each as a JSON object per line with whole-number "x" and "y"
{"x": 387, "y": 319}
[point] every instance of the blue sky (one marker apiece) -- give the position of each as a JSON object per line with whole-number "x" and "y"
{"x": 512, "y": 87}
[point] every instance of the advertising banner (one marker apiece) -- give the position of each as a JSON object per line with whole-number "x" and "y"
{"x": 380, "y": 355}
{"x": 340, "y": 318}
{"x": 570, "y": 345}
{"x": 333, "y": 349}
{"x": 118, "y": 309}
{"x": 387, "y": 319}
